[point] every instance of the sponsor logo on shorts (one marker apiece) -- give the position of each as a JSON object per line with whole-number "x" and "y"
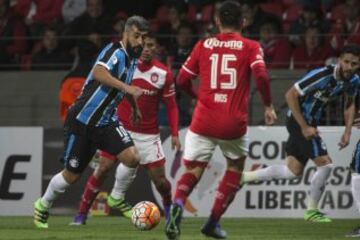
{"x": 74, "y": 162}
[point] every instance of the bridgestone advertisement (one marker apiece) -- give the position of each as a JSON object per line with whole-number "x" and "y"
{"x": 276, "y": 198}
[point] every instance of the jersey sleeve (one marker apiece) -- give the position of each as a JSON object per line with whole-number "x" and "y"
{"x": 191, "y": 65}
{"x": 354, "y": 90}
{"x": 110, "y": 59}
{"x": 169, "y": 87}
{"x": 309, "y": 82}
{"x": 256, "y": 55}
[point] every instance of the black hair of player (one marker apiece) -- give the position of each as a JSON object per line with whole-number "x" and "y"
{"x": 229, "y": 14}
{"x": 352, "y": 49}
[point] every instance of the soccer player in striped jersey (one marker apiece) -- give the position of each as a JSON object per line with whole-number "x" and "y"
{"x": 355, "y": 180}
{"x": 307, "y": 100}
{"x": 91, "y": 122}
{"x": 158, "y": 84}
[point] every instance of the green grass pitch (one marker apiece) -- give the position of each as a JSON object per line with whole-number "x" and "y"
{"x": 114, "y": 228}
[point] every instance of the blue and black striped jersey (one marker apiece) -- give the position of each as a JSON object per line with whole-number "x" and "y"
{"x": 97, "y": 104}
{"x": 318, "y": 87}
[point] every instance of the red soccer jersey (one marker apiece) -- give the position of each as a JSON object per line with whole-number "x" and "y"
{"x": 224, "y": 64}
{"x": 158, "y": 82}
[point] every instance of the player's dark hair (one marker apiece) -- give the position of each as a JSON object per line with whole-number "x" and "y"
{"x": 229, "y": 14}
{"x": 351, "y": 48}
{"x": 139, "y": 22}
{"x": 151, "y": 35}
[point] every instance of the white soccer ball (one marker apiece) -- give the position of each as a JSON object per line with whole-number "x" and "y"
{"x": 145, "y": 215}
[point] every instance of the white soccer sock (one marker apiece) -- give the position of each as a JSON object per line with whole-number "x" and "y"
{"x": 268, "y": 173}
{"x": 123, "y": 179}
{"x": 317, "y": 185}
{"x": 355, "y": 189}
{"x": 56, "y": 186}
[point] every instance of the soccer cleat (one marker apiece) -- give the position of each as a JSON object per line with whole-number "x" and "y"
{"x": 41, "y": 214}
{"x": 354, "y": 233}
{"x": 172, "y": 227}
{"x": 79, "y": 219}
{"x": 213, "y": 230}
{"x": 315, "y": 215}
{"x": 120, "y": 204}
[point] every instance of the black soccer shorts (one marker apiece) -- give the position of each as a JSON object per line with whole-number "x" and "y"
{"x": 82, "y": 141}
{"x": 301, "y": 148}
{"x": 355, "y": 163}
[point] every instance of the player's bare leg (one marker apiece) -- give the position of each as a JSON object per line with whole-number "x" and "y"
{"x": 228, "y": 187}
{"x": 92, "y": 189}
{"x": 184, "y": 187}
{"x": 125, "y": 174}
{"x": 163, "y": 186}
{"x": 317, "y": 187}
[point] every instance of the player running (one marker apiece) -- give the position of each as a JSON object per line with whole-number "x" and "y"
{"x": 158, "y": 85}
{"x": 307, "y": 100}
{"x": 223, "y": 64}
{"x": 91, "y": 123}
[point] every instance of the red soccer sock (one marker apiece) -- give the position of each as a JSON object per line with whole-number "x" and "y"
{"x": 225, "y": 194}
{"x": 90, "y": 192}
{"x": 184, "y": 187}
{"x": 165, "y": 191}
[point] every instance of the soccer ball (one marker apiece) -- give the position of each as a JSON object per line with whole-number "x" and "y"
{"x": 145, "y": 215}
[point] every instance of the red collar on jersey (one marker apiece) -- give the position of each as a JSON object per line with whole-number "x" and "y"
{"x": 143, "y": 67}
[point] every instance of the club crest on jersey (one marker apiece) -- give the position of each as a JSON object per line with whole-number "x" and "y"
{"x": 154, "y": 77}
{"x": 114, "y": 60}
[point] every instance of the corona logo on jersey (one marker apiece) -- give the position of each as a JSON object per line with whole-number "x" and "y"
{"x": 214, "y": 42}
{"x": 277, "y": 198}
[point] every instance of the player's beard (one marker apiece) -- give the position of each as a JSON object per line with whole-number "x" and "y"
{"x": 346, "y": 75}
{"x": 134, "y": 52}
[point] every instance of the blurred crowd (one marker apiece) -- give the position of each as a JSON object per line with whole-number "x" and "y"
{"x": 67, "y": 34}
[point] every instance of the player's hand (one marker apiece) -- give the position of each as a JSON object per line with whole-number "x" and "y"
{"x": 310, "y": 132}
{"x": 136, "y": 117}
{"x": 175, "y": 143}
{"x": 270, "y": 115}
{"x": 344, "y": 141}
{"x": 134, "y": 91}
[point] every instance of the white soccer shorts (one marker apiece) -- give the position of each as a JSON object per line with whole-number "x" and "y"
{"x": 149, "y": 147}
{"x": 200, "y": 148}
